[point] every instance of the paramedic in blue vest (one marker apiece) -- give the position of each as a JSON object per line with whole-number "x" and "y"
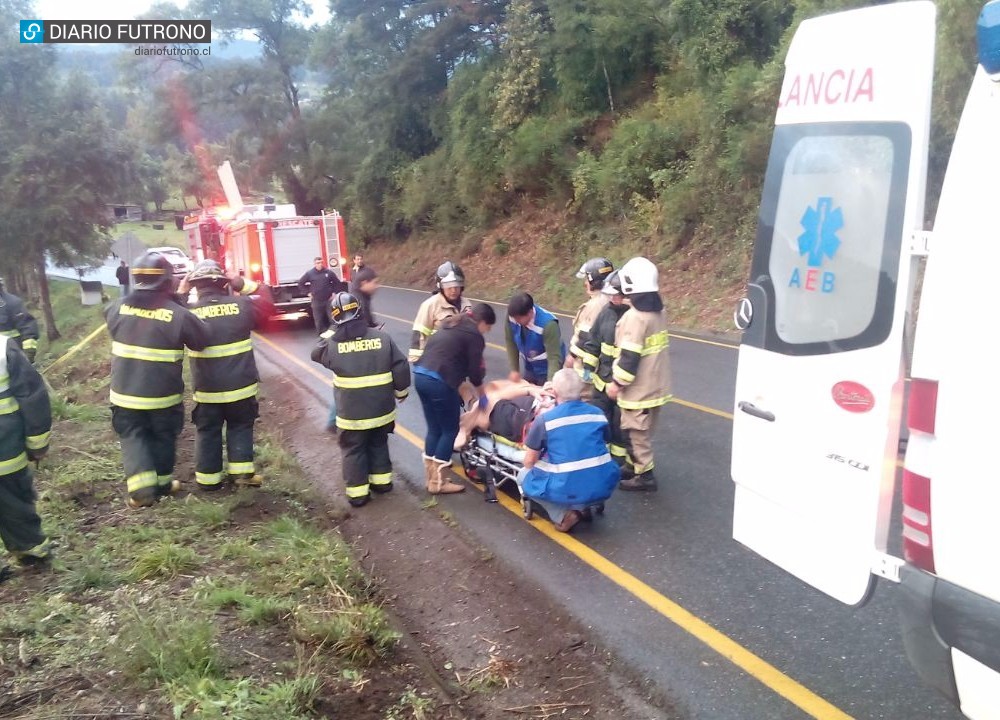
{"x": 534, "y": 342}
{"x": 567, "y": 466}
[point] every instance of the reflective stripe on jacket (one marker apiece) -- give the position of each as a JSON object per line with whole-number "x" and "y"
{"x": 25, "y": 412}
{"x": 16, "y": 322}
{"x": 601, "y": 342}
{"x": 642, "y": 368}
{"x": 583, "y": 326}
{"x": 531, "y": 343}
{"x": 225, "y": 371}
{"x": 576, "y": 467}
{"x": 431, "y": 313}
{"x": 370, "y": 375}
{"x": 149, "y": 331}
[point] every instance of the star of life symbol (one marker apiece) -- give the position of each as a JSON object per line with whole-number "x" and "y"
{"x": 821, "y": 226}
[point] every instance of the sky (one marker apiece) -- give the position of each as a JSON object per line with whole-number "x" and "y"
{"x": 129, "y": 9}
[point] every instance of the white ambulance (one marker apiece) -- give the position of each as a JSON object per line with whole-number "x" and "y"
{"x": 821, "y": 376}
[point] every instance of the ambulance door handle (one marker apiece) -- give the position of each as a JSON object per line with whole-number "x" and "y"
{"x": 751, "y": 409}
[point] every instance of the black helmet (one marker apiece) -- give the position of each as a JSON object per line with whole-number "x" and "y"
{"x": 450, "y": 275}
{"x": 612, "y": 285}
{"x": 152, "y": 271}
{"x": 344, "y": 307}
{"x": 208, "y": 272}
{"x": 596, "y": 270}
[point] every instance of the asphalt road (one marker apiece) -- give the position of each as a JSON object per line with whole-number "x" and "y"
{"x": 659, "y": 578}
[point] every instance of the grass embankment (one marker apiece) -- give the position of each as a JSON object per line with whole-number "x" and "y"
{"x": 539, "y": 251}
{"x": 236, "y": 605}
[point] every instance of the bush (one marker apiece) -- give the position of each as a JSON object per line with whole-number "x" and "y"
{"x": 540, "y": 154}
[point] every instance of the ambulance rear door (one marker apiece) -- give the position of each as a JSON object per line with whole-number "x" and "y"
{"x": 819, "y": 383}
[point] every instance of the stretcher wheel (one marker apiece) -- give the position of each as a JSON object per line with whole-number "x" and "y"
{"x": 527, "y": 508}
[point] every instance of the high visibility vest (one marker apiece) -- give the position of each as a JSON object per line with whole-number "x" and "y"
{"x": 25, "y": 423}
{"x": 531, "y": 344}
{"x": 576, "y": 468}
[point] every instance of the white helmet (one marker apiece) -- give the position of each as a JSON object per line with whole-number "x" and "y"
{"x": 639, "y": 275}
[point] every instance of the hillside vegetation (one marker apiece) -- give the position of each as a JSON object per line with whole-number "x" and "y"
{"x": 460, "y": 129}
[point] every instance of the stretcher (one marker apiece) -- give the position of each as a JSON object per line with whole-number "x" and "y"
{"x": 494, "y": 461}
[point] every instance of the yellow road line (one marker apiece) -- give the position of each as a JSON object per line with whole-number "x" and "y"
{"x": 765, "y": 673}
{"x": 717, "y": 343}
{"x": 76, "y": 348}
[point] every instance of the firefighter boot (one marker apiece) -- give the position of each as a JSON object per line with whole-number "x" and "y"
{"x": 441, "y": 484}
{"x": 429, "y": 472}
{"x": 251, "y": 480}
{"x": 643, "y": 482}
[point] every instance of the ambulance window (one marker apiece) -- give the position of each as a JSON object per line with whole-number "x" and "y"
{"x": 836, "y": 205}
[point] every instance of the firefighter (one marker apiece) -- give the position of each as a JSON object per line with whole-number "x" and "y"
{"x": 446, "y": 302}
{"x": 640, "y": 375}
{"x": 225, "y": 374}
{"x": 533, "y": 338}
{"x": 149, "y": 331}
{"x": 17, "y": 323}
{"x": 25, "y": 422}
{"x": 594, "y": 274}
{"x": 600, "y": 343}
{"x": 370, "y": 374}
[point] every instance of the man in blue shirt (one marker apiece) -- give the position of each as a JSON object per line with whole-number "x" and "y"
{"x": 567, "y": 466}
{"x": 533, "y": 340}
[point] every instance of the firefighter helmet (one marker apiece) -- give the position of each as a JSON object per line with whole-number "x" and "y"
{"x": 450, "y": 275}
{"x": 639, "y": 275}
{"x": 208, "y": 272}
{"x": 612, "y": 284}
{"x": 152, "y": 271}
{"x": 596, "y": 270}
{"x": 344, "y": 307}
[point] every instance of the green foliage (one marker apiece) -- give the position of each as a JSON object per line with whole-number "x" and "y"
{"x": 160, "y": 649}
{"x": 540, "y": 154}
{"x": 361, "y": 633}
{"x": 166, "y": 559}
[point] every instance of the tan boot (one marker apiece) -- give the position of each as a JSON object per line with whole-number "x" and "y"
{"x": 429, "y": 473}
{"x": 442, "y": 484}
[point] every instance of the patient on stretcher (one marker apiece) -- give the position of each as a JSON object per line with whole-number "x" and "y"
{"x": 510, "y": 408}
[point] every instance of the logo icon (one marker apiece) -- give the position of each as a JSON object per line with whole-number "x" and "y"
{"x": 821, "y": 226}
{"x": 32, "y": 31}
{"x": 853, "y": 396}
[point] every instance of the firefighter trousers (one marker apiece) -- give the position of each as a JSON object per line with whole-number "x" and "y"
{"x": 637, "y": 432}
{"x": 238, "y": 418}
{"x": 20, "y": 526}
{"x": 149, "y": 448}
{"x": 616, "y": 446}
{"x": 365, "y": 461}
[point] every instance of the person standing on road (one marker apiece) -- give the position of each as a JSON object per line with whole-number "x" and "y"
{"x": 453, "y": 354}
{"x": 594, "y": 274}
{"x": 121, "y": 272}
{"x": 640, "y": 375}
{"x": 149, "y": 331}
{"x": 323, "y": 283}
{"x": 225, "y": 374}
{"x": 17, "y": 323}
{"x": 359, "y": 262}
{"x": 25, "y": 423}
{"x": 446, "y": 302}
{"x": 567, "y": 466}
{"x": 600, "y": 343}
{"x": 533, "y": 340}
{"x": 370, "y": 375}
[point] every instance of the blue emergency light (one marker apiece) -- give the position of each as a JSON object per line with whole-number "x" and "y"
{"x": 988, "y": 34}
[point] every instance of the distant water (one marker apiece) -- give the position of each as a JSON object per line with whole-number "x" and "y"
{"x": 105, "y": 274}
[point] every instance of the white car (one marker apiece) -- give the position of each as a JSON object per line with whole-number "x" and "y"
{"x": 178, "y": 258}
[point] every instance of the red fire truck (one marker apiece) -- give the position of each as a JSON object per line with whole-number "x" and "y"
{"x": 272, "y": 244}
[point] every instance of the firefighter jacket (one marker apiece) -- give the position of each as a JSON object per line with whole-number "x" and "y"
{"x": 149, "y": 331}
{"x": 429, "y": 316}
{"x": 586, "y": 315}
{"x": 225, "y": 371}
{"x": 575, "y": 467}
{"x": 370, "y": 373}
{"x": 535, "y": 343}
{"x": 25, "y": 413}
{"x": 600, "y": 343}
{"x": 642, "y": 368}
{"x": 18, "y": 323}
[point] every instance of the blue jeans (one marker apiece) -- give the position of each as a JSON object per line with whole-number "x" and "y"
{"x": 441, "y": 405}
